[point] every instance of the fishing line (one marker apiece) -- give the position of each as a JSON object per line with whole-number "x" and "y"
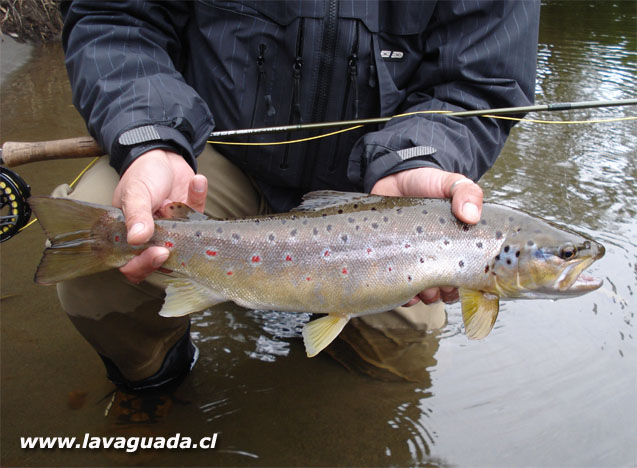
{"x": 501, "y": 117}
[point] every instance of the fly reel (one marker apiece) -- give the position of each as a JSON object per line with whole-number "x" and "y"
{"x": 14, "y": 208}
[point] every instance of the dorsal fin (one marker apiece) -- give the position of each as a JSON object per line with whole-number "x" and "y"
{"x": 323, "y": 199}
{"x": 178, "y": 210}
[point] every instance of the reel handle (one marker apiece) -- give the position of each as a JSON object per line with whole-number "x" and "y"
{"x": 16, "y": 153}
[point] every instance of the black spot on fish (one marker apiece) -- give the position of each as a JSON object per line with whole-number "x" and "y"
{"x": 256, "y": 221}
{"x": 385, "y": 218}
{"x": 293, "y": 232}
{"x": 498, "y": 235}
{"x": 399, "y": 211}
{"x": 511, "y": 218}
{"x": 517, "y": 254}
{"x": 305, "y": 222}
{"x": 442, "y": 220}
{"x": 351, "y": 220}
{"x": 465, "y": 227}
{"x": 446, "y": 242}
{"x": 365, "y": 218}
{"x": 357, "y": 227}
{"x": 329, "y": 227}
{"x": 283, "y": 221}
{"x": 315, "y": 231}
{"x": 483, "y": 222}
{"x": 375, "y": 225}
{"x": 508, "y": 261}
{"x": 198, "y": 234}
{"x": 479, "y": 245}
{"x": 419, "y": 229}
{"x": 422, "y": 260}
{"x": 461, "y": 264}
{"x": 271, "y": 238}
{"x": 236, "y": 236}
{"x": 506, "y": 248}
{"x": 293, "y": 218}
{"x": 497, "y": 258}
{"x": 174, "y": 225}
{"x": 373, "y": 208}
{"x": 425, "y": 212}
{"x": 345, "y": 238}
{"x": 530, "y": 243}
{"x": 340, "y": 211}
{"x": 409, "y": 278}
{"x": 219, "y": 230}
{"x": 486, "y": 269}
{"x": 324, "y": 215}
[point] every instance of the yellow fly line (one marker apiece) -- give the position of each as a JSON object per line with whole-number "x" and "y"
{"x": 502, "y": 117}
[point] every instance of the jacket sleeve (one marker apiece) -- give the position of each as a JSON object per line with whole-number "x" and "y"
{"x": 123, "y": 63}
{"x": 478, "y": 55}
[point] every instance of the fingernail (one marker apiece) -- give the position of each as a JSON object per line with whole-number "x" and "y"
{"x": 470, "y": 211}
{"x": 136, "y": 229}
{"x": 199, "y": 184}
{"x": 160, "y": 259}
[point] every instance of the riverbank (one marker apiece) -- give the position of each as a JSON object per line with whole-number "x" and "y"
{"x": 30, "y": 20}
{"x": 13, "y": 55}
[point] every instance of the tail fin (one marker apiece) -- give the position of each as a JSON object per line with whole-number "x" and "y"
{"x": 69, "y": 225}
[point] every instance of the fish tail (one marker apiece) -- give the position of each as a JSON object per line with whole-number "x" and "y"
{"x": 75, "y": 247}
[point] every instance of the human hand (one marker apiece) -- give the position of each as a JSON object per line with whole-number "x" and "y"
{"x": 153, "y": 180}
{"x": 466, "y": 204}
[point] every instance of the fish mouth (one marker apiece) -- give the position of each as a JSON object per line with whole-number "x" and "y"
{"x": 574, "y": 282}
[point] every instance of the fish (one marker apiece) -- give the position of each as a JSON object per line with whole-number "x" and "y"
{"x": 340, "y": 254}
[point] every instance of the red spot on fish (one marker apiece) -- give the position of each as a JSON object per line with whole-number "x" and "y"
{"x": 308, "y": 278}
{"x": 229, "y": 273}
{"x": 288, "y": 258}
{"x": 211, "y": 253}
{"x": 117, "y": 238}
{"x": 344, "y": 271}
{"x": 169, "y": 244}
{"x": 389, "y": 269}
{"x": 183, "y": 264}
{"x": 256, "y": 259}
{"x": 327, "y": 253}
{"x": 369, "y": 250}
{"x": 407, "y": 246}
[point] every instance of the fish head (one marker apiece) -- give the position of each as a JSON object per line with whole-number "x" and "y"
{"x": 548, "y": 262}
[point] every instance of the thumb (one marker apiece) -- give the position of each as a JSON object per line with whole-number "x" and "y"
{"x": 136, "y": 204}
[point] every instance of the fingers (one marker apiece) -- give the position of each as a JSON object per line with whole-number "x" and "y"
{"x": 144, "y": 264}
{"x": 447, "y": 294}
{"x": 466, "y": 198}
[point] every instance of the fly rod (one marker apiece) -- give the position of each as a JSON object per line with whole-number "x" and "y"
{"x": 17, "y": 153}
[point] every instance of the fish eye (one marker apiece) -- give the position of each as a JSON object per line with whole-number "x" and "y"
{"x": 567, "y": 251}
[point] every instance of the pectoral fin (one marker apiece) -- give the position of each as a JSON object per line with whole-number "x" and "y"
{"x": 479, "y": 312}
{"x": 184, "y": 296}
{"x": 318, "y": 334}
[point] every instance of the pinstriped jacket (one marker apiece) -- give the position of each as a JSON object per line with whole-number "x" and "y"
{"x": 165, "y": 74}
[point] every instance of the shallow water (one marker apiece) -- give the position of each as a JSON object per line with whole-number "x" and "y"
{"x": 554, "y": 384}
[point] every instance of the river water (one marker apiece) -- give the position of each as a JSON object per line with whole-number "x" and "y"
{"x": 554, "y": 384}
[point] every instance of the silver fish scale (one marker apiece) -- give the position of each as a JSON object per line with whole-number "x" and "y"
{"x": 351, "y": 262}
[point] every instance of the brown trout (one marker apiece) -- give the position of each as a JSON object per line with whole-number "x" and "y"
{"x": 340, "y": 254}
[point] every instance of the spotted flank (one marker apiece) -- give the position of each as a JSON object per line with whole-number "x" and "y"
{"x": 339, "y": 254}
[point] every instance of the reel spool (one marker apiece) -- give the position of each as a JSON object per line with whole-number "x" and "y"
{"x": 14, "y": 208}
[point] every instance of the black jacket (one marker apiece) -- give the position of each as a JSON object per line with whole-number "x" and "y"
{"x": 174, "y": 71}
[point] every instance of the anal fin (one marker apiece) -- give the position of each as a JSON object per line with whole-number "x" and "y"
{"x": 184, "y": 296}
{"x": 318, "y": 334}
{"x": 479, "y": 312}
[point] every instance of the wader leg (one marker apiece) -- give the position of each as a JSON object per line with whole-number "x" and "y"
{"x": 120, "y": 319}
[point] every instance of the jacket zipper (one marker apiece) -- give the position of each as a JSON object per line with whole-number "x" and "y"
{"x": 295, "y": 111}
{"x": 352, "y": 82}
{"x": 326, "y": 65}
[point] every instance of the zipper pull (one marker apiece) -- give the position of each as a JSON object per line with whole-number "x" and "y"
{"x": 296, "y": 103}
{"x": 353, "y": 76}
